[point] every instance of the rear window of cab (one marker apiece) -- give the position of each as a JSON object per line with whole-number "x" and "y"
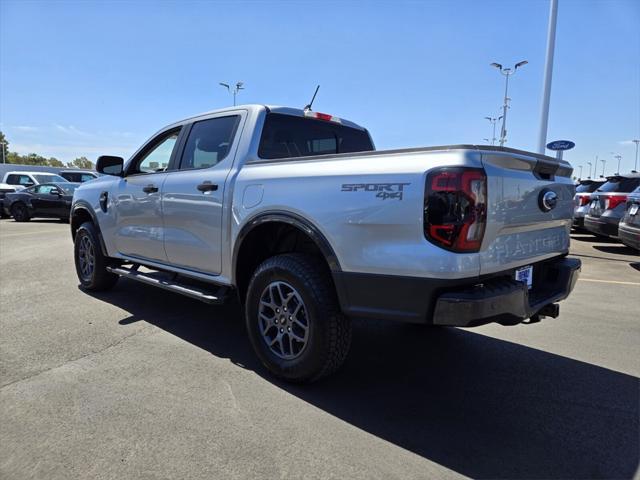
{"x": 287, "y": 136}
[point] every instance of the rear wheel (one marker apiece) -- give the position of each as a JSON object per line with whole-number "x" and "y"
{"x": 293, "y": 318}
{"x": 20, "y": 212}
{"x": 91, "y": 263}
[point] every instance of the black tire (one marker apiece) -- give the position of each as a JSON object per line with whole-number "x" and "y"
{"x": 20, "y": 212}
{"x": 96, "y": 278}
{"x": 328, "y": 331}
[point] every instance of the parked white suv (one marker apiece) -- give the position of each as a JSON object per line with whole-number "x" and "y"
{"x": 23, "y": 180}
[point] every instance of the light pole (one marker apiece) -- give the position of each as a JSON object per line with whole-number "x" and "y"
{"x": 507, "y": 72}
{"x": 589, "y": 163}
{"x": 580, "y": 167}
{"x": 604, "y": 161}
{"x": 493, "y": 124}
{"x": 548, "y": 71}
{"x": 4, "y": 159}
{"x": 635, "y": 166}
{"x": 239, "y": 86}
{"x": 618, "y": 157}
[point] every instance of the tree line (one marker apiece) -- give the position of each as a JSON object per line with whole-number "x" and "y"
{"x": 35, "y": 159}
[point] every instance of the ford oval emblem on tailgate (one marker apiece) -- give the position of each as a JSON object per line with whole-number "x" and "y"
{"x": 547, "y": 200}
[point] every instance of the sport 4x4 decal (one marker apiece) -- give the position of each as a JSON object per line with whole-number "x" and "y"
{"x": 384, "y": 190}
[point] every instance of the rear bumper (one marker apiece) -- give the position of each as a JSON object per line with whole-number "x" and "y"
{"x": 629, "y": 235}
{"x": 578, "y": 222}
{"x": 505, "y": 300}
{"x": 462, "y": 302}
{"x": 602, "y": 225}
{"x": 580, "y": 212}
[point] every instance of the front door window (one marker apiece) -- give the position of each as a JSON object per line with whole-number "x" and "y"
{"x": 157, "y": 159}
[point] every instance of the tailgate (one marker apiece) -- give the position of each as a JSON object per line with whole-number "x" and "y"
{"x": 632, "y": 212}
{"x": 522, "y": 228}
{"x": 596, "y": 204}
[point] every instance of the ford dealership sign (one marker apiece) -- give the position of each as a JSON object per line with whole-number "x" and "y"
{"x": 561, "y": 145}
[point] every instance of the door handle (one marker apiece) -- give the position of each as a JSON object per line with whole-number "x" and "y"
{"x": 150, "y": 188}
{"x": 207, "y": 187}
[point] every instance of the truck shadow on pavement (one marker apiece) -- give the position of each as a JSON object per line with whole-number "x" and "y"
{"x": 480, "y": 406}
{"x": 617, "y": 250}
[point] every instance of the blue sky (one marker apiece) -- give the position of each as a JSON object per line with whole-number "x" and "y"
{"x": 86, "y": 78}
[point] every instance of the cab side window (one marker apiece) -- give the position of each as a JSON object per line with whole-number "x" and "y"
{"x": 209, "y": 142}
{"x": 156, "y": 159}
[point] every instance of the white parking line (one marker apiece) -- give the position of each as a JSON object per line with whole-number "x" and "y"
{"x": 607, "y": 281}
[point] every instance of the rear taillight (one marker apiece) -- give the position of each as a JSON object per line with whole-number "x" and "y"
{"x": 612, "y": 202}
{"x": 583, "y": 200}
{"x": 455, "y": 208}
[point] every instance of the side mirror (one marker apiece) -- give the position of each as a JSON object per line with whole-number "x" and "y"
{"x": 56, "y": 191}
{"x": 110, "y": 165}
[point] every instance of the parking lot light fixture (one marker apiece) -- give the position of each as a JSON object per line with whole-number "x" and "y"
{"x": 604, "y": 162}
{"x": 507, "y": 72}
{"x": 589, "y": 163}
{"x": 618, "y": 157}
{"x": 238, "y": 86}
{"x": 635, "y": 166}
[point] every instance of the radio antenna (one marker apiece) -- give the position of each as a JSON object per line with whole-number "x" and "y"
{"x": 308, "y": 107}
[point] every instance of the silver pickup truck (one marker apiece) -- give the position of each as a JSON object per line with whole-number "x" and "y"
{"x": 295, "y": 213}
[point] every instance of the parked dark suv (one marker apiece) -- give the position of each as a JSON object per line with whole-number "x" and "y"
{"x": 608, "y": 204}
{"x": 584, "y": 189}
{"x": 629, "y": 230}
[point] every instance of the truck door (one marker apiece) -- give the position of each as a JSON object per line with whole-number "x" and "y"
{"x": 138, "y": 228}
{"x": 192, "y": 195}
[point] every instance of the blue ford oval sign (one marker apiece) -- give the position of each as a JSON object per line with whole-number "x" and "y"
{"x": 561, "y": 145}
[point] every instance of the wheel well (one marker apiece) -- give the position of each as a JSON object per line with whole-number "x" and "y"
{"x": 79, "y": 216}
{"x": 267, "y": 240}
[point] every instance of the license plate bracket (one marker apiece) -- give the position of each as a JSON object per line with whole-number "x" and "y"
{"x": 525, "y": 275}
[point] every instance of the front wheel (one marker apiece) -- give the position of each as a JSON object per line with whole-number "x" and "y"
{"x": 20, "y": 212}
{"x": 293, "y": 318}
{"x": 91, "y": 263}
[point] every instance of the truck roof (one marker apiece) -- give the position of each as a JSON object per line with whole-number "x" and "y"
{"x": 297, "y": 112}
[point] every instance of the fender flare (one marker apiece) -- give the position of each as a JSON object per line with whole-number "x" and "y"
{"x": 84, "y": 205}
{"x": 292, "y": 219}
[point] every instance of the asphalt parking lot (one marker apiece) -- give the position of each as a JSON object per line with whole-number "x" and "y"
{"x": 140, "y": 383}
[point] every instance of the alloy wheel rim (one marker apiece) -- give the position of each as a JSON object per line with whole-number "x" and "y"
{"x": 86, "y": 258}
{"x": 282, "y": 320}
